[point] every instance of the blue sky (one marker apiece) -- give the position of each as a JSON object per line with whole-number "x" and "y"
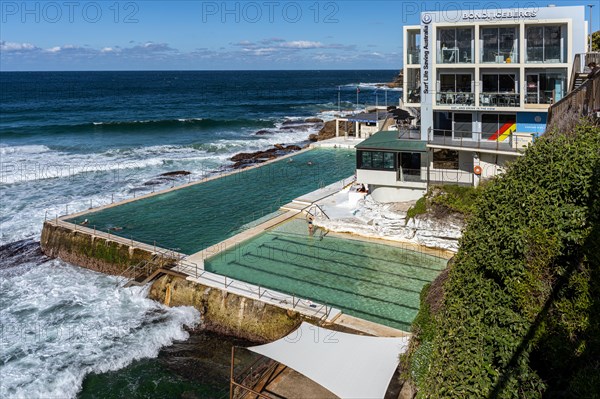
{"x": 213, "y": 35}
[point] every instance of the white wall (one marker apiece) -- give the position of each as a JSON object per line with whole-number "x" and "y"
{"x": 393, "y": 194}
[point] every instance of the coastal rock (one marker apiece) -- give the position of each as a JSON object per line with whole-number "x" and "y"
{"x": 328, "y": 131}
{"x": 313, "y": 120}
{"x": 262, "y": 132}
{"x": 386, "y": 221}
{"x": 176, "y": 173}
{"x": 244, "y": 159}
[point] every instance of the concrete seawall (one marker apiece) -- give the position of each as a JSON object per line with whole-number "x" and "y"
{"x": 227, "y": 313}
{"x": 97, "y": 252}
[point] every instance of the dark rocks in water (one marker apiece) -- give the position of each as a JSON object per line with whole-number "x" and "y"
{"x": 292, "y": 122}
{"x": 313, "y": 120}
{"x": 166, "y": 177}
{"x": 176, "y": 173}
{"x": 262, "y": 132}
{"x": 19, "y": 252}
{"x": 296, "y": 127}
{"x": 244, "y": 159}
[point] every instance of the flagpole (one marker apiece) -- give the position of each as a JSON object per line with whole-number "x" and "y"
{"x": 357, "y": 91}
{"x": 339, "y": 93}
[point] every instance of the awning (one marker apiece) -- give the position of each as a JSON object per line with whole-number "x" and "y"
{"x": 348, "y": 365}
{"x": 388, "y": 140}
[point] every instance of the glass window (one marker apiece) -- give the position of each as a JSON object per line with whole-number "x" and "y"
{"x": 388, "y": 160}
{"x": 490, "y": 83}
{"x": 365, "y": 158}
{"x": 545, "y": 88}
{"x": 376, "y": 160}
{"x": 410, "y": 163}
{"x": 463, "y": 126}
{"x": 498, "y": 83}
{"x": 459, "y": 83}
{"x": 544, "y": 44}
{"x": 500, "y": 45}
{"x": 493, "y": 126}
{"x": 455, "y": 45}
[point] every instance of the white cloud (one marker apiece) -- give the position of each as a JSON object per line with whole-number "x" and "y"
{"x": 11, "y": 46}
{"x": 301, "y": 44}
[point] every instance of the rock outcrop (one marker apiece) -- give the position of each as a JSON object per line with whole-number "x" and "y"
{"x": 244, "y": 159}
{"x": 383, "y": 221}
{"x": 328, "y": 131}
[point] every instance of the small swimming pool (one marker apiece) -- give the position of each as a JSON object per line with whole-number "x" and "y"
{"x": 373, "y": 281}
{"x": 193, "y": 218}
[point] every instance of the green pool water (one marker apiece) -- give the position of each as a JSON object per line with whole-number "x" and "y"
{"x": 369, "y": 280}
{"x": 193, "y": 218}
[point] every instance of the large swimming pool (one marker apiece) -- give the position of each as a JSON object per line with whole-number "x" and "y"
{"x": 369, "y": 280}
{"x": 193, "y": 218}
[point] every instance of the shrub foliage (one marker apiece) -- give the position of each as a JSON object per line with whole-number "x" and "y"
{"x": 520, "y": 315}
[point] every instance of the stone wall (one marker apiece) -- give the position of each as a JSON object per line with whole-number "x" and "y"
{"x": 96, "y": 253}
{"x": 226, "y": 313}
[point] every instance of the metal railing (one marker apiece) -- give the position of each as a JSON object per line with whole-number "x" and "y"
{"x": 543, "y": 97}
{"x": 580, "y": 65}
{"x": 455, "y": 98}
{"x": 500, "y": 99}
{"x": 193, "y": 270}
{"x": 436, "y": 176}
{"x": 464, "y": 139}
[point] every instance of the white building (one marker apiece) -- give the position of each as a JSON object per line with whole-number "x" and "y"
{"x": 483, "y": 81}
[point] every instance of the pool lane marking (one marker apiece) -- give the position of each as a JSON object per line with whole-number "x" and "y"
{"x": 338, "y": 305}
{"x": 341, "y": 275}
{"x": 346, "y": 264}
{"x": 326, "y": 286}
{"x": 357, "y": 254}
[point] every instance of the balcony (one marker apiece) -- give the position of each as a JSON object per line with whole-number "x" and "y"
{"x": 541, "y": 97}
{"x": 449, "y": 138}
{"x": 455, "y": 98}
{"x": 500, "y": 100}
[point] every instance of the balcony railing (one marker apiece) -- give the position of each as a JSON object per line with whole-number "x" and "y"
{"x": 543, "y": 97}
{"x": 435, "y": 176}
{"x": 500, "y": 100}
{"x": 464, "y": 139}
{"x": 459, "y": 98}
{"x": 412, "y": 175}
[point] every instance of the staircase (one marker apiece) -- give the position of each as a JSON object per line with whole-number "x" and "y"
{"x": 581, "y": 71}
{"x": 296, "y": 206}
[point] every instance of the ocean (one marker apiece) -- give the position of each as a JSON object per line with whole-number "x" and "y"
{"x": 71, "y": 139}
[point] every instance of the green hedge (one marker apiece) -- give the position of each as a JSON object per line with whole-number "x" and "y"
{"x": 521, "y": 310}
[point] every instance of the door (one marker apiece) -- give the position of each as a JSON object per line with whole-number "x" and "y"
{"x": 533, "y": 88}
{"x": 462, "y": 126}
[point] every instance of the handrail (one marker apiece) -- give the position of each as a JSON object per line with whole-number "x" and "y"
{"x": 584, "y": 100}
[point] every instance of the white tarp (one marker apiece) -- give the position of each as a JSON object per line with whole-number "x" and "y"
{"x": 348, "y": 365}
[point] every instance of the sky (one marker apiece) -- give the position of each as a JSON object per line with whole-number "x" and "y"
{"x": 217, "y": 35}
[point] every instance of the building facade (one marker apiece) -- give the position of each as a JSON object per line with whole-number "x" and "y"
{"x": 482, "y": 81}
